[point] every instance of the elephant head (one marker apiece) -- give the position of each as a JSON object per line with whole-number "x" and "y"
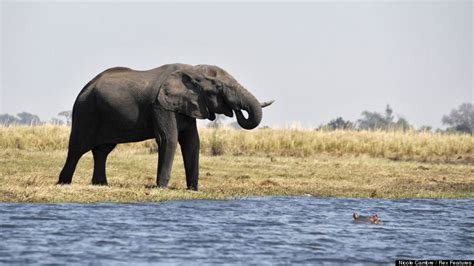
{"x": 202, "y": 91}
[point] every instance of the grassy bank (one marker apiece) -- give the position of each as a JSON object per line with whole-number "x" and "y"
{"x": 258, "y": 162}
{"x": 396, "y": 145}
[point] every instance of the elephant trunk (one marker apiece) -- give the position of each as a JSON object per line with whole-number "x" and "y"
{"x": 249, "y": 103}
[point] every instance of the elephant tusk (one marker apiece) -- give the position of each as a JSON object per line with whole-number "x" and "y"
{"x": 265, "y": 104}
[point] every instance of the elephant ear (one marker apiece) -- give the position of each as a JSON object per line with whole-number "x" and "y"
{"x": 179, "y": 93}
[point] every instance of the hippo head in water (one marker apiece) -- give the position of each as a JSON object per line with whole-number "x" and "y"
{"x": 374, "y": 219}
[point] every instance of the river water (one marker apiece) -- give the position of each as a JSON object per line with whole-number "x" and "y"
{"x": 254, "y": 230}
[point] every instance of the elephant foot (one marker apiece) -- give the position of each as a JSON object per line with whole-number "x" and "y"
{"x": 163, "y": 183}
{"x": 193, "y": 188}
{"x": 99, "y": 182}
{"x": 63, "y": 182}
{"x": 161, "y": 186}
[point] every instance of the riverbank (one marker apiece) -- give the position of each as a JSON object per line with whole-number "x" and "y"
{"x": 30, "y": 176}
{"x": 268, "y": 162}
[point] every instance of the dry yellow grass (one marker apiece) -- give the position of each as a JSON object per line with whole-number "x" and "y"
{"x": 258, "y": 162}
{"x": 396, "y": 145}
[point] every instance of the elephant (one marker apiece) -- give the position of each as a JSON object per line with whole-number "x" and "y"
{"x": 122, "y": 105}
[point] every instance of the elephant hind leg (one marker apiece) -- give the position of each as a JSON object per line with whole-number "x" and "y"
{"x": 73, "y": 156}
{"x": 100, "y": 154}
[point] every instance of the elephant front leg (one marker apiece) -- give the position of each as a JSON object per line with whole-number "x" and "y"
{"x": 189, "y": 142}
{"x": 166, "y": 151}
{"x": 166, "y": 134}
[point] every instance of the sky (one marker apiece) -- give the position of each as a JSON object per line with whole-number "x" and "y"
{"x": 317, "y": 60}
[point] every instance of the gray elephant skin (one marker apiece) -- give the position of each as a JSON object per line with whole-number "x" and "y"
{"x": 122, "y": 105}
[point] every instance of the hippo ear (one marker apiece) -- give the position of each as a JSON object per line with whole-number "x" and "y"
{"x": 180, "y": 93}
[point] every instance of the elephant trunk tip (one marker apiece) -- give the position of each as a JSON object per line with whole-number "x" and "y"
{"x": 265, "y": 104}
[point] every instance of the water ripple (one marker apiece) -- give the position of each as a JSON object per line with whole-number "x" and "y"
{"x": 253, "y": 230}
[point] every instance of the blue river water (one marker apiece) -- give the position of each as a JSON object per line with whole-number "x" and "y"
{"x": 254, "y": 230}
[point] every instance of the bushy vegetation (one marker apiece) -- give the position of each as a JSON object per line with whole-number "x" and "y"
{"x": 386, "y": 121}
{"x": 461, "y": 119}
{"x": 339, "y": 123}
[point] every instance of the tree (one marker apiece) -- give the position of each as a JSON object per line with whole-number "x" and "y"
{"x": 374, "y": 120}
{"x": 461, "y": 119}
{"x": 67, "y": 115}
{"x": 339, "y": 123}
{"x": 23, "y": 118}
{"x": 388, "y": 114}
{"x": 401, "y": 124}
{"x": 29, "y": 119}
{"x": 425, "y": 129}
{"x": 56, "y": 121}
{"x": 7, "y": 119}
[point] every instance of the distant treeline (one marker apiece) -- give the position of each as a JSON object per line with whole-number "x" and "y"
{"x": 460, "y": 119}
{"x": 23, "y": 118}
{"x": 28, "y": 119}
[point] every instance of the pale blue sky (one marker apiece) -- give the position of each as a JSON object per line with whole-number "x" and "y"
{"x": 318, "y": 60}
